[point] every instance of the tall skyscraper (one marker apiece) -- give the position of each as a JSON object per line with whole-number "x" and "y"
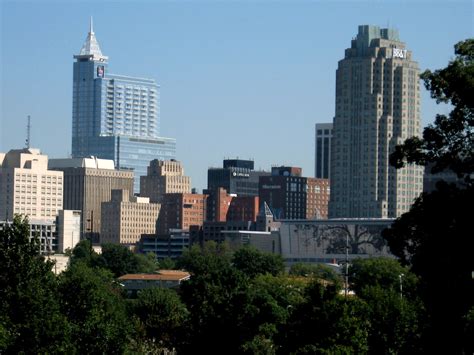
{"x": 377, "y": 107}
{"x": 114, "y": 116}
{"x": 322, "y": 165}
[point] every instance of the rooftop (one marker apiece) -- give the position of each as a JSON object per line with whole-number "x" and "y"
{"x": 161, "y": 275}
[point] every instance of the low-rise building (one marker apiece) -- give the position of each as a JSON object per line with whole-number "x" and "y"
{"x": 170, "y": 245}
{"x": 162, "y": 279}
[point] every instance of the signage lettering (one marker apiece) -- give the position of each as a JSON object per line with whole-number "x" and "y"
{"x": 399, "y": 53}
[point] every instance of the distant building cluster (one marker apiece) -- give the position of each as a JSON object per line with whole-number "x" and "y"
{"x": 124, "y": 185}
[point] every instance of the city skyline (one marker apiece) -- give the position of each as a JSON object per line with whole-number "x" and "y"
{"x": 238, "y": 79}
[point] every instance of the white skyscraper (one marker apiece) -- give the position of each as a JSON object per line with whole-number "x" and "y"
{"x": 377, "y": 107}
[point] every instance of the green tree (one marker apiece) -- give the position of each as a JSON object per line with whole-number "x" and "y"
{"x": 268, "y": 305}
{"x": 30, "y": 318}
{"x": 387, "y": 273}
{"x": 326, "y": 323}
{"x": 253, "y": 262}
{"x": 118, "y": 259}
{"x": 92, "y": 302}
{"x": 449, "y": 142}
{"x": 162, "y": 314}
{"x": 214, "y": 296}
{"x": 167, "y": 264}
{"x": 318, "y": 271}
{"x": 432, "y": 237}
{"x": 396, "y": 324}
{"x": 84, "y": 253}
{"x": 147, "y": 263}
{"x": 206, "y": 259}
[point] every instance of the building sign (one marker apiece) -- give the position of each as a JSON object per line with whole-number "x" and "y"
{"x": 240, "y": 174}
{"x": 399, "y": 53}
{"x": 100, "y": 71}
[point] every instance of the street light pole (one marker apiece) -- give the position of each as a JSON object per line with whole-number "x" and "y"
{"x": 401, "y": 286}
{"x": 347, "y": 265}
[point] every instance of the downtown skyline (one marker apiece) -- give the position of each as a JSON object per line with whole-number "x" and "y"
{"x": 238, "y": 79}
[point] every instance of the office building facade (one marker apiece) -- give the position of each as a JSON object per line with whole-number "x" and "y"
{"x": 163, "y": 177}
{"x": 284, "y": 192}
{"x": 317, "y": 198}
{"x": 115, "y": 116}
{"x": 377, "y": 108}
{"x": 125, "y": 218}
{"x": 237, "y": 176}
{"x": 322, "y": 151}
{"x": 27, "y": 187}
{"x": 87, "y": 183}
{"x": 181, "y": 211}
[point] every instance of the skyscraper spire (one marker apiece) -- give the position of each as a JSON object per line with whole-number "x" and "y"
{"x": 91, "y": 46}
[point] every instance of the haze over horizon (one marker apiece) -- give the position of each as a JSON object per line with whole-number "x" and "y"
{"x": 238, "y": 79}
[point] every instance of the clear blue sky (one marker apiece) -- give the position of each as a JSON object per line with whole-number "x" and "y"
{"x": 238, "y": 78}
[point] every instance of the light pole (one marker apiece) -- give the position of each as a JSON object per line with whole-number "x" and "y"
{"x": 401, "y": 285}
{"x": 347, "y": 265}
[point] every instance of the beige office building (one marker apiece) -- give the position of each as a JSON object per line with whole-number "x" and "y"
{"x": 125, "y": 218}
{"x": 87, "y": 183}
{"x": 163, "y": 177}
{"x": 27, "y": 186}
{"x": 377, "y": 107}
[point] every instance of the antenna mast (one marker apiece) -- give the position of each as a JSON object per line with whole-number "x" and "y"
{"x": 28, "y": 131}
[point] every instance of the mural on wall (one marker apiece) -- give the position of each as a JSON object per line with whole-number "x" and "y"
{"x": 333, "y": 238}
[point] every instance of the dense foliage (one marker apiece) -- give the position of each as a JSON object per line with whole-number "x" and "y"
{"x": 226, "y": 306}
{"x": 433, "y": 238}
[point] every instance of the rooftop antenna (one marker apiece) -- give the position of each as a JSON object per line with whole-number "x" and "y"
{"x": 28, "y": 132}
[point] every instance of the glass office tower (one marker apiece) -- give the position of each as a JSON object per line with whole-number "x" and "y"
{"x": 114, "y": 116}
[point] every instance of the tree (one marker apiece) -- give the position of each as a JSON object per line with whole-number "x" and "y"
{"x": 268, "y": 305}
{"x": 167, "y": 264}
{"x": 147, "y": 263}
{"x": 387, "y": 273}
{"x": 396, "y": 324}
{"x": 118, "y": 259}
{"x": 92, "y": 302}
{"x": 253, "y": 262}
{"x": 449, "y": 142}
{"x": 162, "y": 314}
{"x": 318, "y": 271}
{"x": 396, "y": 314}
{"x": 83, "y": 252}
{"x": 207, "y": 259}
{"x": 214, "y": 295}
{"x": 326, "y": 323}
{"x": 30, "y": 319}
{"x": 432, "y": 237}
